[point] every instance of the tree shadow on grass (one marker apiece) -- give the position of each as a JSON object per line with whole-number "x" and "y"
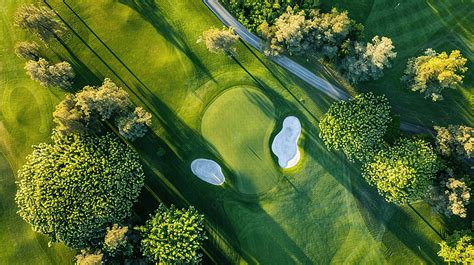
{"x": 157, "y": 18}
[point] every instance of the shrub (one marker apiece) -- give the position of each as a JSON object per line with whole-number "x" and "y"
{"x": 173, "y": 236}
{"x": 458, "y": 248}
{"x": 48, "y": 75}
{"x": 432, "y": 72}
{"x": 404, "y": 172}
{"x": 356, "y": 126}
{"x": 74, "y": 188}
{"x": 27, "y": 50}
{"x": 455, "y": 140}
{"x": 40, "y": 21}
{"x": 220, "y": 41}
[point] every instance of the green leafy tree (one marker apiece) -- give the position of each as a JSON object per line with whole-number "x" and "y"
{"x": 458, "y": 248}
{"x": 49, "y": 75}
{"x": 356, "y": 126}
{"x": 40, "y": 21}
{"x": 116, "y": 242}
{"x": 74, "y": 188}
{"x": 404, "y": 172}
{"x": 457, "y": 140}
{"x": 173, "y": 236}
{"x": 367, "y": 60}
{"x": 220, "y": 41}
{"x": 432, "y": 72}
{"x": 27, "y": 50}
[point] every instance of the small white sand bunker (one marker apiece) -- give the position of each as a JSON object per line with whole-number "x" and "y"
{"x": 208, "y": 170}
{"x": 285, "y": 144}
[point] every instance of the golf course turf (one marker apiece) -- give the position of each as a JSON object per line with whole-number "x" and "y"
{"x": 210, "y": 106}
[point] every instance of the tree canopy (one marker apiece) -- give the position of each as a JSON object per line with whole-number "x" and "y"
{"x": 432, "y": 72}
{"x": 48, "y": 74}
{"x": 40, "y": 21}
{"x": 403, "y": 172}
{"x": 173, "y": 236}
{"x": 76, "y": 187}
{"x": 220, "y": 41}
{"x": 455, "y": 140}
{"x": 27, "y": 50}
{"x": 356, "y": 126}
{"x": 458, "y": 248}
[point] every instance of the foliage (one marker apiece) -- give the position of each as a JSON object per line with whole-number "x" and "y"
{"x": 134, "y": 125}
{"x": 455, "y": 140}
{"x": 253, "y": 13}
{"x": 81, "y": 113}
{"x": 432, "y": 72}
{"x": 173, "y": 236}
{"x": 458, "y": 248}
{"x": 48, "y": 75}
{"x": 86, "y": 258}
{"x": 220, "y": 41}
{"x": 356, "y": 126}
{"x": 403, "y": 172}
{"x": 74, "y": 188}
{"x": 116, "y": 242}
{"x": 40, "y": 21}
{"x": 366, "y": 61}
{"x": 451, "y": 196}
{"x": 27, "y": 50}
{"x": 310, "y": 32}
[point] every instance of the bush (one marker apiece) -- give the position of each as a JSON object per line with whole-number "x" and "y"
{"x": 432, "y": 72}
{"x": 27, "y": 50}
{"x": 40, "y": 21}
{"x": 356, "y": 126}
{"x": 458, "y": 248}
{"x": 173, "y": 236}
{"x": 455, "y": 140}
{"x": 404, "y": 172}
{"x": 220, "y": 41}
{"x": 48, "y": 75}
{"x": 74, "y": 188}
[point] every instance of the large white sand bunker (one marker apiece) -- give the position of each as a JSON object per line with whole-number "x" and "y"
{"x": 208, "y": 170}
{"x": 285, "y": 144}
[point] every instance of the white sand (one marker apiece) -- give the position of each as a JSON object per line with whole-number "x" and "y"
{"x": 285, "y": 144}
{"x": 208, "y": 170}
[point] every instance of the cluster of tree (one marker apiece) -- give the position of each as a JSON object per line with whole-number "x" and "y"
{"x": 451, "y": 195}
{"x": 432, "y": 72}
{"x": 220, "y": 41}
{"x": 74, "y": 188}
{"x": 356, "y": 126}
{"x": 455, "y": 140}
{"x": 253, "y": 13}
{"x": 170, "y": 236}
{"x": 458, "y": 247}
{"x": 43, "y": 23}
{"x": 81, "y": 112}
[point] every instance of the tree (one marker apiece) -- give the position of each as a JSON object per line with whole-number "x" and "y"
{"x": 60, "y": 74}
{"x": 403, "y": 172}
{"x": 367, "y": 60}
{"x": 173, "y": 236}
{"x": 135, "y": 125}
{"x": 40, "y": 21}
{"x": 455, "y": 140}
{"x": 86, "y": 258}
{"x": 432, "y": 72}
{"x": 27, "y": 50}
{"x": 458, "y": 248}
{"x": 81, "y": 113}
{"x": 451, "y": 196}
{"x": 356, "y": 126}
{"x": 116, "y": 242}
{"x": 220, "y": 41}
{"x": 74, "y": 188}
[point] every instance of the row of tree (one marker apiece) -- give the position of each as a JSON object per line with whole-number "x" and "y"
{"x": 80, "y": 189}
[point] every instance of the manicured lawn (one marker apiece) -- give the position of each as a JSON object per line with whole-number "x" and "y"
{"x": 208, "y": 106}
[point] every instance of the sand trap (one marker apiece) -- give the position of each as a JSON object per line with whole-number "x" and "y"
{"x": 285, "y": 144}
{"x": 208, "y": 170}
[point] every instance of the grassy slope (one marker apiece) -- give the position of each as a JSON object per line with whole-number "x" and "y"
{"x": 413, "y": 27}
{"x": 25, "y": 119}
{"x": 321, "y": 211}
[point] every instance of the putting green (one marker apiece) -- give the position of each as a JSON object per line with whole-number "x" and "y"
{"x": 239, "y": 124}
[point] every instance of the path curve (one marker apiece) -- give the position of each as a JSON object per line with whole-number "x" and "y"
{"x": 309, "y": 77}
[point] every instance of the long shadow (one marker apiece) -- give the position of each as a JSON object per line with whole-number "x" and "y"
{"x": 157, "y": 18}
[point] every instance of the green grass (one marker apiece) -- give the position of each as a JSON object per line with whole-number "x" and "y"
{"x": 321, "y": 211}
